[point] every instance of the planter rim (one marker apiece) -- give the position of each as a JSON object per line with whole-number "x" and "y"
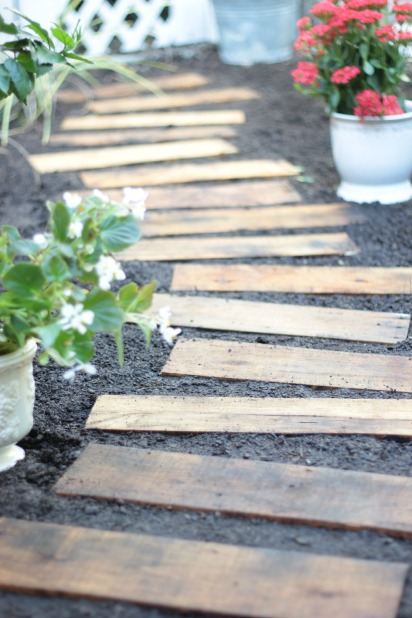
{"x": 13, "y": 358}
{"x": 376, "y": 119}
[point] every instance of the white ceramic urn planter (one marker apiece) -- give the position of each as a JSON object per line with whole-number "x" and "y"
{"x": 373, "y": 157}
{"x": 16, "y": 402}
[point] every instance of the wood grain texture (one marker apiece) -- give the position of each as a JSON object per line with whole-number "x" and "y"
{"x": 183, "y": 81}
{"x": 193, "y": 576}
{"x": 293, "y": 279}
{"x": 172, "y": 174}
{"x": 284, "y": 492}
{"x": 104, "y": 138}
{"x": 281, "y": 319}
{"x": 174, "y": 223}
{"x": 188, "y": 248}
{"x": 155, "y": 119}
{"x": 231, "y": 360}
{"x": 377, "y": 417}
{"x": 170, "y": 101}
{"x": 95, "y": 158}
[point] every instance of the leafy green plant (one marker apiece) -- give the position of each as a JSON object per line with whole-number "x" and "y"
{"x": 57, "y": 285}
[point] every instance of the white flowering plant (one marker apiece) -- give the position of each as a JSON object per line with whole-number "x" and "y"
{"x": 56, "y": 286}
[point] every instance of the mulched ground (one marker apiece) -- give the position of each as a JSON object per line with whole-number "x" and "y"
{"x": 282, "y": 123}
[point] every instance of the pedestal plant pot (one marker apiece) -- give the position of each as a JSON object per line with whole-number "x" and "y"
{"x": 373, "y": 157}
{"x": 16, "y": 402}
{"x": 253, "y": 31}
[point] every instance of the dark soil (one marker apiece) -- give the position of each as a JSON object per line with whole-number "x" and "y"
{"x": 281, "y": 124}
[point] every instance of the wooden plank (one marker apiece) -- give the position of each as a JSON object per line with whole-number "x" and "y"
{"x": 231, "y": 360}
{"x": 124, "y": 89}
{"x": 377, "y": 417}
{"x": 293, "y": 279}
{"x": 223, "y": 195}
{"x": 155, "y": 119}
{"x": 188, "y": 248}
{"x": 173, "y": 223}
{"x": 278, "y": 319}
{"x": 170, "y": 101}
{"x": 185, "y": 575}
{"x": 104, "y": 138}
{"x": 74, "y": 160}
{"x": 289, "y": 493}
{"x": 172, "y": 174}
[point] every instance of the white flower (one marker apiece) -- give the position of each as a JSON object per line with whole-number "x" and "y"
{"x": 108, "y": 269}
{"x": 72, "y": 200}
{"x": 40, "y": 240}
{"x": 135, "y": 198}
{"x": 168, "y": 333}
{"x": 164, "y": 317}
{"x": 70, "y": 374}
{"x": 76, "y": 317}
{"x": 75, "y": 229}
{"x": 102, "y": 196}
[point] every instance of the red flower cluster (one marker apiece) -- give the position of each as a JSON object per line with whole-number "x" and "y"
{"x": 305, "y": 73}
{"x": 371, "y": 103}
{"x": 344, "y": 75}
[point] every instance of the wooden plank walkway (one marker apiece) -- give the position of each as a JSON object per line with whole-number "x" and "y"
{"x": 193, "y": 576}
{"x": 167, "y": 413}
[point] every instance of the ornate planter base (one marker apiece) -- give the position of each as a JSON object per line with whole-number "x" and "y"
{"x": 384, "y": 194}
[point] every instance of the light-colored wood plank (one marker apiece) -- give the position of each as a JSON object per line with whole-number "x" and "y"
{"x": 223, "y": 195}
{"x": 377, "y": 417}
{"x": 231, "y": 360}
{"x": 156, "y": 119}
{"x": 174, "y": 223}
{"x": 74, "y": 160}
{"x": 183, "y": 81}
{"x": 170, "y": 101}
{"x": 277, "y": 319}
{"x": 173, "y": 174}
{"x": 193, "y": 576}
{"x": 104, "y": 138}
{"x": 311, "y": 495}
{"x": 293, "y": 279}
{"x": 188, "y": 248}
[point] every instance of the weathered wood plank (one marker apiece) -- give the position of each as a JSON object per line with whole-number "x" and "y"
{"x": 95, "y": 158}
{"x": 231, "y": 360}
{"x": 193, "y": 576}
{"x": 170, "y": 101}
{"x": 377, "y": 417}
{"x": 172, "y": 174}
{"x": 155, "y": 119}
{"x": 104, "y": 138}
{"x": 173, "y": 223}
{"x": 293, "y": 279}
{"x": 167, "y": 82}
{"x": 285, "y": 492}
{"x": 188, "y": 248}
{"x": 278, "y": 319}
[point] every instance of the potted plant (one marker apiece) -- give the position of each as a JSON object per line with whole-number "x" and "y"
{"x": 355, "y": 59}
{"x": 56, "y": 292}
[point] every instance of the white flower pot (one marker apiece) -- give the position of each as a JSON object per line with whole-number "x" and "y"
{"x": 16, "y": 402}
{"x": 373, "y": 157}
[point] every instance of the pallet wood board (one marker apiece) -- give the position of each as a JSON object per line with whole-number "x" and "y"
{"x": 173, "y": 223}
{"x": 281, "y": 319}
{"x": 104, "y": 138}
{"x": 95, "y": 158}
{"x": 285, "y": 492}
{"x": 164, "y": 572}
{"x": 174, "y": 174}
{"x": 184, "y": 81}
{"x": 231, "y": 360}
{"x": 376, "y": 417}
{"x": 170, "y": 101}
{"x": 155, "y": 119}
{"x": 188, "y": 248}
{"x": 292, "y": 279}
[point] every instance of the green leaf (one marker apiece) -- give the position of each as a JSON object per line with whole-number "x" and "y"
{"x": 63, "y": 37}
{"x": 17, "y": 44}
{"x": 83, "y": 348}
{"x": 8, "y": 28}
{"x": 21, "y": 82}
{"x": 46, "y": 56}
{"x": 61, "y": 221}
{"x": 77, "y": 57}
{"x": 24, "y": 246}
{"x": 368, "y": 68}
{"x": 127, "y": 295}
{"x": 119, "y": 234}
{"x": 36, "y": 27}
{"x": 145, "y": 298}
{"x": 363, "y": 49}
{"x": 55, "y": 268}
{"x": 24, "y": 278}
{"x": 11, "y": 232}
{"x": 4, "y": 80}
{"x": 48, "y": 334}
{"x": 107, "y": 315}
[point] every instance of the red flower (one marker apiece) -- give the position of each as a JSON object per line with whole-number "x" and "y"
{"x": 391, "y": 105}
{"x": 344, "y": 75}
{"x": 386, "y": 33}
{"x": 324, "y": 9}
{"x": 403, "y": 7}
{"x": 305, "y": 73}
{"x": 405, "y": 37}
{"x": 369, "y": 104}
{"x": 369, "y": 17}
{"x": 304, "y": 23}
{"x": 366, "y": 4}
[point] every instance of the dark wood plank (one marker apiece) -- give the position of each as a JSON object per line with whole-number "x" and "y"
{"x": 193, "y": 576}
{"x": 285, "y": 492}
{"x": 175, "y": 414}
{"x": 231, "y": 360}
